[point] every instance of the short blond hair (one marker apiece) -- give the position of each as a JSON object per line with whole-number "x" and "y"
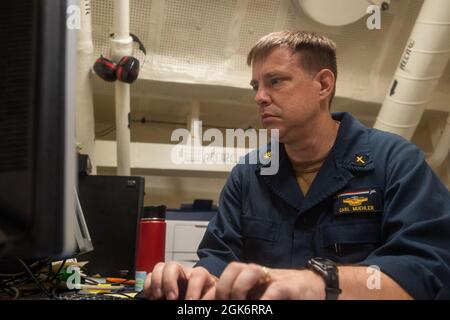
{"x": 317, "y": 52}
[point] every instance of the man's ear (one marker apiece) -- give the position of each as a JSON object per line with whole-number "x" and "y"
{"x": 326, "y": 80}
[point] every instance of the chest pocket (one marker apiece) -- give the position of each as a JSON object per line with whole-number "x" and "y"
{"x": 349, "y": 241}
{"x": 259, "y": 240}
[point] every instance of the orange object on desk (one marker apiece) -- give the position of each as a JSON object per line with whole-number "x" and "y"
{"x": 120, "y": 280}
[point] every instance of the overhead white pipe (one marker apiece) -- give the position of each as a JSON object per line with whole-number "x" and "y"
{"x": 421, "y": 66}
{"x": 442, "y": 147}
{"x": 85, "y": 122}
{"x": 121, "y": 45}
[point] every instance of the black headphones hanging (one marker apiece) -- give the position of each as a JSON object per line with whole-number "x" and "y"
{"x": 126, "y": 70}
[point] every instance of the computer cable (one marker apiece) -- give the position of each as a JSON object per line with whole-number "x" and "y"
{"x": 11, "y": 291}
{"x": 12, "y": 275}
{"x": 10, "y": 283}
{"x": 36, "y": 264}
{"x": 39, "y": 284}
{"x": 17, "y": 281}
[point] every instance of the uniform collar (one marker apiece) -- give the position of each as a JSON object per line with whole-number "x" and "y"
{"x": 350, "y": 153}
{"x": 284, "y": 182}
{"x": 351, "y": 149}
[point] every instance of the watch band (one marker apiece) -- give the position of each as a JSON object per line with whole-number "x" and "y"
{"x": 328, "y": 270}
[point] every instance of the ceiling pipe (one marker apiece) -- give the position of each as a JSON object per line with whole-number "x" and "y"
{"x": 420, "y": 68}
{"x": 121, "y": 45}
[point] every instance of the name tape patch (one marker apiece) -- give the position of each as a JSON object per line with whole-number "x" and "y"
{"x": 358, "y": 201}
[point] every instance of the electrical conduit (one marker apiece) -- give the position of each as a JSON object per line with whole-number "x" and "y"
{"x": 421, "y": 66}
{"x": 121, "y": 45}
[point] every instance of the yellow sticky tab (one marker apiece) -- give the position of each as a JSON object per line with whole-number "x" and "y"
{"x": 100, "y": 290}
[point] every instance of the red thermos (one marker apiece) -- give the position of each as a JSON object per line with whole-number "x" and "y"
{"x": 151, "y": 242}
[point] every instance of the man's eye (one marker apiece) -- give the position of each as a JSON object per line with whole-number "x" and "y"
{"x": 275, "y": 81}
{"x": 255, "y": 88}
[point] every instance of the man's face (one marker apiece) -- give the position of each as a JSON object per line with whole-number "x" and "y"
{"x": 287, "y": 96}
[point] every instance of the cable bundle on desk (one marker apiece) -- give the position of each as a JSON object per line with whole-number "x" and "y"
{"x": 11, "y": 284}
{"x": 51, "y": 284}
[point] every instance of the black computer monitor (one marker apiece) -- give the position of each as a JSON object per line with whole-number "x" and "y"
{"x": 37, "y": 130}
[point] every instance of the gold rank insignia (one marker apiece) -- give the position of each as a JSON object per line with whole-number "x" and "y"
{"x": 267, "y": 155}
{"x": 360, "y": 160}
{"x": 355, "y": 201}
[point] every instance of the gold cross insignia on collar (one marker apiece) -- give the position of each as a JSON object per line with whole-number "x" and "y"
{"x": 267, "y": 155}
{"x": 360, "y": 160}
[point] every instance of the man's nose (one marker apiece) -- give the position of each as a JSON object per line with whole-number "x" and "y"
{"x": 262, "y": 98}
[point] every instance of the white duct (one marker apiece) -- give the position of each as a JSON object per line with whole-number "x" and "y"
{"x": 442, "y": 148}
{"x": 423, "y": 62}
{"x": 85, "y": 123}
{"x": 121, "y": 45}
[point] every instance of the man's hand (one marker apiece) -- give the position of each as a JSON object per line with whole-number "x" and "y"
{"x": 174, "y": 281}
{"x": 295, "y": 285}
{"x": 251, "y": 281}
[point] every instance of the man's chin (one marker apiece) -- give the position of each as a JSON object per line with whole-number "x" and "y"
{"x": 269, "y": 125}
{"x": 278, "y": 135}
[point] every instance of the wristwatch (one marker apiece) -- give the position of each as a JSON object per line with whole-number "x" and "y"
{"x": 328, "y": 270}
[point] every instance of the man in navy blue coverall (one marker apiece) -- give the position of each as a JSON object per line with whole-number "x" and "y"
{"x": 364, "y": 199}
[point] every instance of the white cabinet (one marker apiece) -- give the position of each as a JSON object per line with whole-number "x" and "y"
{"x": 182, "y": 240}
